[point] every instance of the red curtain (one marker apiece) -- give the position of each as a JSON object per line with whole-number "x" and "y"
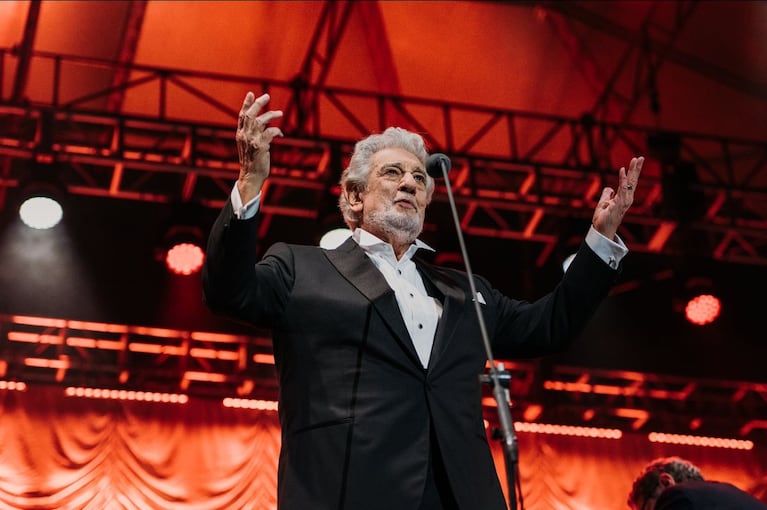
{"x": 77, "y": 453}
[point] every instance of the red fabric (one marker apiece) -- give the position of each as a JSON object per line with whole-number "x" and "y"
{"x": 76, "y": 453}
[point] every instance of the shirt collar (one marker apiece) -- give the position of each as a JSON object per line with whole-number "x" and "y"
{"x": 371, "y": 244}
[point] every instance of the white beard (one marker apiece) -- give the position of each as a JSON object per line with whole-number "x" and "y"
{"x": 401, "y": 228}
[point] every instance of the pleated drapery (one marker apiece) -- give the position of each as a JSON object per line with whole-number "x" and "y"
{"x": 59, "y": 452}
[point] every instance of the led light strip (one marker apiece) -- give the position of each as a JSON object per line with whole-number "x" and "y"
{"x": 246, "y": 403}
{"x": 13, "y": 385}
{"x": 567, "y": 430}
{"x": 713, "y": 442}
{"x": 141, "y": 396}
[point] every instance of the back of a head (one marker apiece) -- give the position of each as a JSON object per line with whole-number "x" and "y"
{"x": 647, "y": 482}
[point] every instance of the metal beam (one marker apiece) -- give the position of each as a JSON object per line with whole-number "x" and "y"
{"x": 519, "y": 189}
{"x": 25, "y": 51}
{"x": 127, "y": 52}
{"x": 120, "y": 357}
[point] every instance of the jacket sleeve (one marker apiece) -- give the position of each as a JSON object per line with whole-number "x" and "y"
{"x": 234, "y": 282}
{"x": 531, "y": 329}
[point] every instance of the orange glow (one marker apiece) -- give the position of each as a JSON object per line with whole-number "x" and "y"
{"x": 639, "y": 416}
{"x": 93, "y": 343}
{"x": 47, "y": 363}
{"x": 157, "y": 349}
{"x": 13, "y": 385}
{"x": 34, "y": 338}
{"x": 265, "y": 359}
{"x": 184, "y": 258}
{"x": 245, "y": 403}
{"x": 114, "y": 394}
{"x": 198, "y": 352}
{"x": 664, "y": 231}
{"x": 203, "y": 376}
{"x": 703, "y": 309}
{"x": 532, "y": 412}
{"x": 714, "y": 442}
{"x": 568, "y": 430}
{"x": 216, "y": 337}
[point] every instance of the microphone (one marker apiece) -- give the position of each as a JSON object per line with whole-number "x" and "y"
{"x": 438, "y": 165}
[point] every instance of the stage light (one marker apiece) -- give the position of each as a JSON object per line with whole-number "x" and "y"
{"x": 712, "y": 442}
{"x": 41, "y": 193}
{"x": 182, "y": 250}
{"x": 181, "y": 247}
{"x": 184, "y": 258}
{"x": 41, "y": 212}
{"x": 703, "y": 309}
{"x": 700, "y": 302}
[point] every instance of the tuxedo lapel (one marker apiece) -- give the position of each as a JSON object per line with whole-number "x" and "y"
{"x": 351, "y": 262}
{"x": 453, "y": 309}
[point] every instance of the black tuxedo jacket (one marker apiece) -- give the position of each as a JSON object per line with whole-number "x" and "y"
{"x": 704, "y": 495}
{"x": 356, "y": 406}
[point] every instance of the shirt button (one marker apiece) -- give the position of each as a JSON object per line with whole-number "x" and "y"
{"x": 411, "y": 294}
{"x": 420, "y": 326}
{"x": 399, "y": 271}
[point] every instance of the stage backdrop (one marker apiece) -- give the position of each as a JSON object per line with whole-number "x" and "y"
{"x": 59, "y": 452}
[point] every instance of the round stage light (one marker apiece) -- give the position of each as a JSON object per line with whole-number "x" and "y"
{"x": 703, "y": 309}
{"x": 41, "y": 212}
{"x": 184, "y": 258}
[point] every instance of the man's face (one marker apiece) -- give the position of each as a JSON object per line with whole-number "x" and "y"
{"x": 394, "y": 205}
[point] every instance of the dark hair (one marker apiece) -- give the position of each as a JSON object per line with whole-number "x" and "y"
{"x": 648, "y": 481}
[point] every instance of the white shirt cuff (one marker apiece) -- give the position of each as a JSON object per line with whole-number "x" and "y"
{"x": 611, "y": 252}
{"x": 246, "y": 211}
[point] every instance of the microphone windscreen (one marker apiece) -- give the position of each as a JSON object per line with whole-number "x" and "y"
{"x": 435, "y": 163}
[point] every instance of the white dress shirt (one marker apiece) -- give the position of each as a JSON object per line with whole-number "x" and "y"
{"x": 421, "y": 312}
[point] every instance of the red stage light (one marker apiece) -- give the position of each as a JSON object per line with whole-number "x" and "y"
{"x": 184, "y": 258}
{"x": 703, "y": 309}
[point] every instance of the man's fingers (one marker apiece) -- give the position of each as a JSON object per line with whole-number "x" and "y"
{"x": 607, "y": 194}
{"x": 272, "y": 133}
{"x": 270, "y": 116}
{"x": 636, "y": 168}
{"x": 249, "y": 98}
{"x": 257, "y": 105}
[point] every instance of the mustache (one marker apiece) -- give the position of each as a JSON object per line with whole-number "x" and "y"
{"x": 409, "y": 200}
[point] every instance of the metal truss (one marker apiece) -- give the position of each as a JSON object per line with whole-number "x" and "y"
{"x": 517, "y": 175}
{"x": 69, "y": 353}
{"x": 117, "y": 356}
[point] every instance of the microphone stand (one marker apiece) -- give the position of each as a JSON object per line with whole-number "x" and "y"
{"x": 497, "y": 376}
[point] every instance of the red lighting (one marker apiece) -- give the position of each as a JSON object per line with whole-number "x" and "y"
{"x": 712, "y": 442}
{"x": 703, "y": 309}
{"x": 184, "y": 258}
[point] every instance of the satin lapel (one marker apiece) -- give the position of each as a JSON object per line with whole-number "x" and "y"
{"x": 453, "y": 310}
{"x": 350, "y": 260}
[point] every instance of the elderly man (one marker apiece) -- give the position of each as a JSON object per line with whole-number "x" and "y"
{"x": 378, "y": 353}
